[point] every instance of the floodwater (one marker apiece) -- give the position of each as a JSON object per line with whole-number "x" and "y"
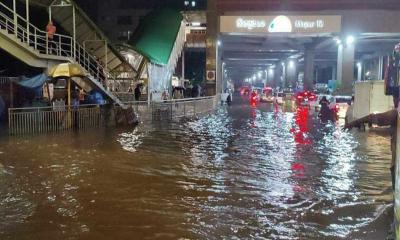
{"x": 240, "y": 173}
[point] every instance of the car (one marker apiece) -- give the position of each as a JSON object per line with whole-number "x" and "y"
{"x": 244, "y": 91}
{"x": 258, "y": 91}
{"x": 339, "y": 105}
{"x": 315, "y": 104}
{"x": 267, "y": 95}
{"x": 279, "y": 97}
{"x": 305, "y": 98}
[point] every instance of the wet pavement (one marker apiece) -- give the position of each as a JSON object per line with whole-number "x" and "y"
{"x": 244, "y": 172}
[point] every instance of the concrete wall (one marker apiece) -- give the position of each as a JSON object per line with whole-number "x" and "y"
{"x": 370, "y": 98}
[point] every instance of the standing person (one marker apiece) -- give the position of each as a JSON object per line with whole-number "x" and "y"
{"x": 81, "y": 96}
{"x": 325, "y": 114}
{"x": 349, "y": 113}
{"x": 51, "y": 30}
{"x": 137, "y": 92}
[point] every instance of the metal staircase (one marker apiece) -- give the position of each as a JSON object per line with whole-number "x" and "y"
{"x": 32, "y": 45}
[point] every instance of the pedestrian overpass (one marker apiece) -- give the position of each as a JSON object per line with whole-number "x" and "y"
{"x": 31, "y": 45}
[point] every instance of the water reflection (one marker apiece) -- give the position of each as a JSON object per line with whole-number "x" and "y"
{"x": 245, "y": 172}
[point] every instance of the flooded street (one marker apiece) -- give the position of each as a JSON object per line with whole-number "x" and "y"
{"x": 241, "y": 173}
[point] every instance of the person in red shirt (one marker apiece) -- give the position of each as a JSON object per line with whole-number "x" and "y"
{"x": 51, "y": 30}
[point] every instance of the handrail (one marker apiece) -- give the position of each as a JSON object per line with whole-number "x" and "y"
{"x": 185, "y": 99}
{"x": 60, "y": 46}
{"x": 65, "y": 45}
{"x": 51, "y": 107}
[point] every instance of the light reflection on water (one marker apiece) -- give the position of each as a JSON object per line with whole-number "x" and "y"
{"x": 243, "y": 172}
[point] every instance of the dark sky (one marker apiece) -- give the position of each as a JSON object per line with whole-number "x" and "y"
{"x": 90, "y": 6}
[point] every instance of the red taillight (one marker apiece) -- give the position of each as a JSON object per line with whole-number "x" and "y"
{"x": 299, "y": 97}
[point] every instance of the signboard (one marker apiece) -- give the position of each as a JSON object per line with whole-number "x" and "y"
{"x": 281, "y": 24}
{"x": 210, "y": 75}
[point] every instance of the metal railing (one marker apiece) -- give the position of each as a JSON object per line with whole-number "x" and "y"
{"x": 53, "y": 119}
{"x": 7, "y": 80}
{"x": 172, "y": 109}
{"x": 59, "y": 46}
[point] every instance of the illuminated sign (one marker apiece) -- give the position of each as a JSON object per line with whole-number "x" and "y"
{"x": 281, "y": 24}
{"x": 250, "y": 24}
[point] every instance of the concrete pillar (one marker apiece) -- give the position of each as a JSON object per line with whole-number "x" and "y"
{"x": 381, "y": 73}
{"x": 183, "y": 64}
{"x": 211, "y": 47}
{"x": 291, "y": 73}
{"x": 308, "y": 68}
{"x": 345, "y": 68}
{"x": 359, "y": 71}
{"x": 334, "y": 72}
{"x": 283, "y": 81}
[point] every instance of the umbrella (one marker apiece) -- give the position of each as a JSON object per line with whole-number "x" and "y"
{"x": 67, "y": 70}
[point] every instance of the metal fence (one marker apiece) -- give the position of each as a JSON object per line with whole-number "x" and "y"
{"x": 7, "y": 80}
{"x": 65, "y": 118}
{"x": 53, "y": 119}
{"x": 171, "y": 109}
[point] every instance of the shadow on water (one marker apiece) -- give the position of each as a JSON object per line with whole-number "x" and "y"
{"x": 240, "y": 173}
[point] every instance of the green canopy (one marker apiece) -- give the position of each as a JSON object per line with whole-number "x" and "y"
{"x": 156, "y": 35}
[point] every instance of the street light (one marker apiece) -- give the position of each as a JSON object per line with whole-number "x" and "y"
{"x": 350, "y": 40}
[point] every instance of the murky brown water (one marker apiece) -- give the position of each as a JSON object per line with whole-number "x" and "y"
{"x": 242, "y": 173}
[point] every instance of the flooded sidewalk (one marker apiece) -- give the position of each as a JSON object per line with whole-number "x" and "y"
{"x": 241, "y": 173}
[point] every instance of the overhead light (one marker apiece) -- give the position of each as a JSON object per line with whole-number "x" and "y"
{"x": 350, "y": 40}
{"x": 291, "y": 64}
{"x": 259, "y": 74}
{"x": 196, "y": 24}
{"x": 338, "y": 41}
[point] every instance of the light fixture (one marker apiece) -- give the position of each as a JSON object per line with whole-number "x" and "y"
{"x": 196, "y": 24}
{"x": 219, "y": 43}
{"x": 291, "y": 64}
{"x": 338, "y": 41}
{"x": 259, "y": 74}
{"x": 350, "y": 40}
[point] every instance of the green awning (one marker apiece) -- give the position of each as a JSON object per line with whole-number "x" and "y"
{"x": 156, "y": 35}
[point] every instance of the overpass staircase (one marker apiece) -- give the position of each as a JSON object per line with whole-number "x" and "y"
{"x": 32, "y": 46}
